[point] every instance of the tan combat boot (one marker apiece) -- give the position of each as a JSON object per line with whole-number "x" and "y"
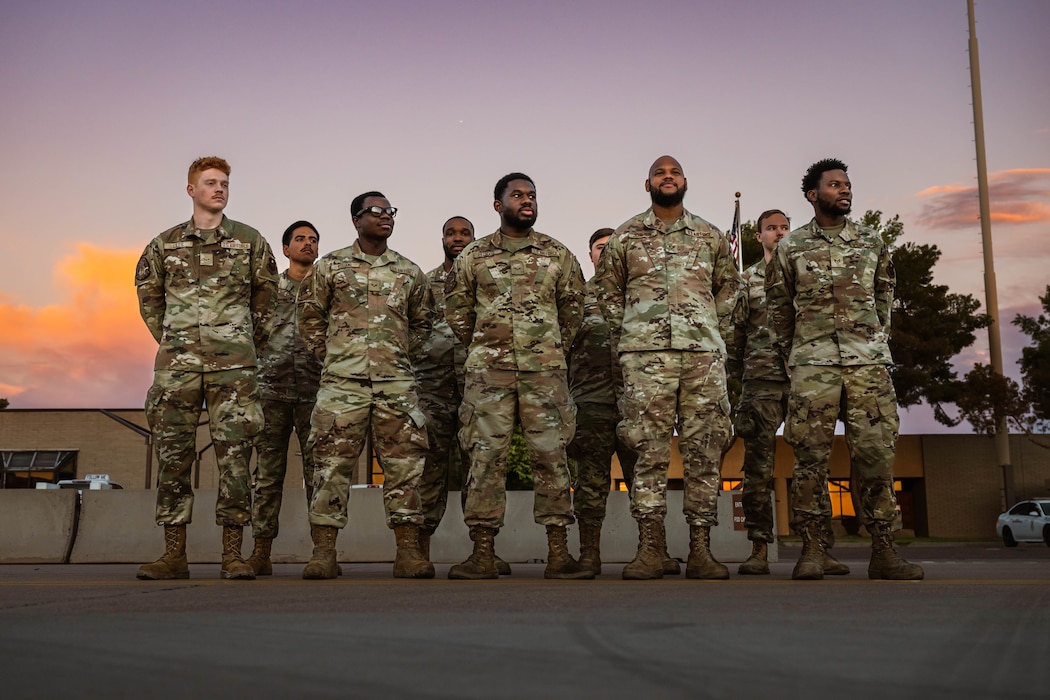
{"x": 424, "y": 542}
{"x": 233, "y": 567}
{"x": 833, "y": 567}
{"x": 810, "y": 565}
{"x": 172, "y": 564}
{"x": 886, "y": 563}
{"x": 560, "y": 564}
{"x": 322, "y": 562}
{"x": 590, "y": 545}
{"x": 409, "y": 561}
{"x": 758, "y": 563}
{"x": 702, "y": 564}
{"x": 501, "y": 566}
{"x": 648, "y": 561}
{"x": 670, "y": 564}
{"x": 481, "y": 563}
{"x": 260, "y": 557}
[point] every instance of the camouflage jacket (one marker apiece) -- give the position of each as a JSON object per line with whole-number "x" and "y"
{"x": 590, "y": 359}
{"x": 829, "y": 298}
{"x": 515, "y": 309}
{"x": 668, "y": 287}
{"x": 287, "y": 370}
{"x": 365, "y": 320}
{"x": 207, "y": 297}
{"x": 752, "y": 354}
{"x": 441, "y": 357}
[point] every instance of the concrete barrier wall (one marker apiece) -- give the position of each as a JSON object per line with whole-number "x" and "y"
{"x": 118, "y": 527}
{"x": 36, "y": 527}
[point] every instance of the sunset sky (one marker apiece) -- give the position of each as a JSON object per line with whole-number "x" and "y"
{"x": 107, "y": 102}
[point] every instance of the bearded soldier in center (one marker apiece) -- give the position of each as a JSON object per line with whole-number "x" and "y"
{"x": 667, "y": 284}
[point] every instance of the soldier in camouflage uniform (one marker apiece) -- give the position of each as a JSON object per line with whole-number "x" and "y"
{"x": 365, "y": 311}
{"x": 829, "y": 292}
{"x": 667, "y": 284}
{"x": 206, "y": 290}
{"x": 515, "y": 301}
{"x": 288, "y": 378}
{"x": 594, "y": 393}
{"x": 754, "y": 361}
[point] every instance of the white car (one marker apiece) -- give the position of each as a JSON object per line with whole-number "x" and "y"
{"x": 1028, "y": 521}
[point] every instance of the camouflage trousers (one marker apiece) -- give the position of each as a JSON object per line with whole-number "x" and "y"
{"x": 444, "y": 459}
{"x": 492, "y": 401}
{"x": 592, "y": 448}
{"x": 667, "y": 390}
{"x": 760, "y": 412}
{"x": 173, "y": 409}
{"x": 862, "y": 396}
{"x": 347, "y": 410}
{"x": 271, "y": 465}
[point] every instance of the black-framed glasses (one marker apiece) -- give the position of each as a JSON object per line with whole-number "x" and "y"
{"x": 378, "y": 211}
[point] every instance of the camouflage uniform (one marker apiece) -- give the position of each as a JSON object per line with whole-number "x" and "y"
{"x": 668, "y": 293}
{"x": 288, "y": 377}
{"x": 440, "y": 372}
{"x": 366, "y": 316}
{"x": 829, "y": 297}
{"x": 763, "y": 400}
{"x": 592, "y": 390}
{"x": 516, "y": 305}
{"x": 207, "y": 297}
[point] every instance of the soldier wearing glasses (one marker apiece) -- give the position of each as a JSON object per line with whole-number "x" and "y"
{"x": 364, "y": 311}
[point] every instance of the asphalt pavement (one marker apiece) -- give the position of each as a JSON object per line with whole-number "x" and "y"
{"x": 978, "y": 626}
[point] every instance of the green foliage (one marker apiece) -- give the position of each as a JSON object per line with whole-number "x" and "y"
{"x": 1035, "y": 361}
{"x": 4, "y": 404}
{"x": 752, "y": 249}
{"x": 929, "y": 325}
{"x": 519, "y": 466}
{"x": 989, "y": 399}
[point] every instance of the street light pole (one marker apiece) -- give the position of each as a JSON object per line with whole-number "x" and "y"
{"x": 995, "y": 349}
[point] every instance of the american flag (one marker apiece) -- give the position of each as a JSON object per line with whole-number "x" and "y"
{"x": 734, "y": 237}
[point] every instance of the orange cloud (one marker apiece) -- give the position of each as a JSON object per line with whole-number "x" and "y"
{"x": 91, "y": 349}
{"x": 1014, "y": 196}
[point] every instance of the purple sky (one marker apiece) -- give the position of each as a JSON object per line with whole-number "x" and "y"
{"x": 106, "y": 104}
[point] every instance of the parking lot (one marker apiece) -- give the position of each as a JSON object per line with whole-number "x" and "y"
{"x": 977, "y": 627}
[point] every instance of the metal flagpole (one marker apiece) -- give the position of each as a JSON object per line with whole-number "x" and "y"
{"x": 734, "y": 237}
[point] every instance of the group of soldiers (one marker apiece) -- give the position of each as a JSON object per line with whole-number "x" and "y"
{"x": 505, "y": 333}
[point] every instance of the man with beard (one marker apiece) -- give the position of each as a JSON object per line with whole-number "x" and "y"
{"x": 440, "y": 372}
{"x": 365, "y": 312}
{"x": 829, "y": 291}
{"x": 515, "y": 301}
{"x": 667, "y": 285}
{"x": 205, "y": 290}
{"x": 594, "y": 391}
{"x": 288, "y": 378}
{"x": 755, "y": 362}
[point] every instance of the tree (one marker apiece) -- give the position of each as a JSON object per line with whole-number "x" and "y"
{"x": 750, "y": 247}
{"x": 1035, "y": 362}
{"x": 929, "y": 324}
{"x": 988, "y": 398}
{"x": 4, "y": 404}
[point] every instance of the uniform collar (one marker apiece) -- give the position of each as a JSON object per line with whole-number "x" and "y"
{"x": 224, "y": 229}
{"x": 386, "y": 258}
{"x": 848, "y": 233}
{"x": 684, "y": 222}
{"x": 534, "y": 238}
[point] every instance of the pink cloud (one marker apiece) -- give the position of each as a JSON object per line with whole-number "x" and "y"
{"x": 1016, "y": 196}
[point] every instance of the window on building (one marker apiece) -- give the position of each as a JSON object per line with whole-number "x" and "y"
{"x": 24, "y": 469}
